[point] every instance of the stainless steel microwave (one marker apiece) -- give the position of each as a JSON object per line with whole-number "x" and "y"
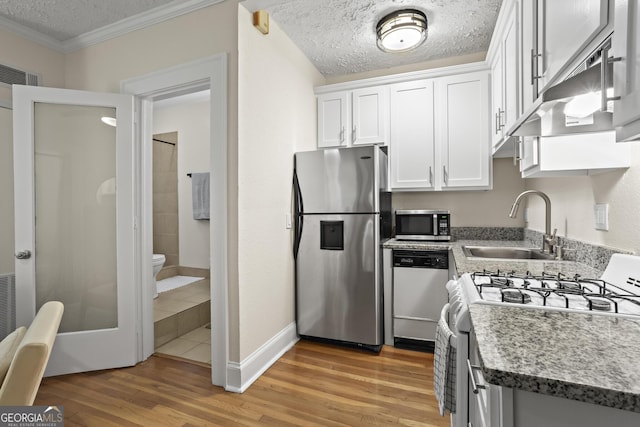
{"x": 423, "y": 225}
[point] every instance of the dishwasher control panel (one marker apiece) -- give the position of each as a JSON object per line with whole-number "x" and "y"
{"x": 421, "y": 259}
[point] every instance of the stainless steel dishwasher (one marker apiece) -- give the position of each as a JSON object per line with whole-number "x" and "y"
{"x": 419, "y": 293}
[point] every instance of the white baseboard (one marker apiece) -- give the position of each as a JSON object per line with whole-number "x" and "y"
{"x": 241, "y": 375}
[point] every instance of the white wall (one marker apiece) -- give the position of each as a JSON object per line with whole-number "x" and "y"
{"x": 7, "y": 245}
{"x": 26, "y": 55}
{"x": 473, "y": 208}
{"x": 191, "y": 121}
{"x": 276, "y": 117}
{"x": 207, "y": 32}
{"x": 573, "y": 199}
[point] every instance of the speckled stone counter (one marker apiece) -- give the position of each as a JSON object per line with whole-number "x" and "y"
{"x": 584, "y": 357}
{"x": 466, "y": 264}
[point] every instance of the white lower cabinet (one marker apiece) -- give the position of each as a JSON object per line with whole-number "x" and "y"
{"x": 572, "y": 155}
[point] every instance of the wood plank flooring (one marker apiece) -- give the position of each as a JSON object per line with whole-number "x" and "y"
{"x": 311, "y": 385}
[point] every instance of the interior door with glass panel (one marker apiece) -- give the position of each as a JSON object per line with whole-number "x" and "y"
{"x": 74, "y": 222}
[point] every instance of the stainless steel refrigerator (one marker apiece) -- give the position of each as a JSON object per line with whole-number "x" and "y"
{"x": 342, "y": 213}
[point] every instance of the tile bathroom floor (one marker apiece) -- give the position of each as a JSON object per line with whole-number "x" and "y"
{"x": 195, "y": 344}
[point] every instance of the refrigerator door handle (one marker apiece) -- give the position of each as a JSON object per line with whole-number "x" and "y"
{"x": 297, "y": 217}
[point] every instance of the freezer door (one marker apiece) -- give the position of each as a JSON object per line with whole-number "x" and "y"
{"x": 338, "y": 285}
{"x": 339, "y": 180}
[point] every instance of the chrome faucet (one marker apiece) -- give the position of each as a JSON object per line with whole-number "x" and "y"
{"x": 549, "y": 240}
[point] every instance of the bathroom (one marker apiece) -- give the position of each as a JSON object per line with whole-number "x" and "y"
{"x": 180, "y": 153}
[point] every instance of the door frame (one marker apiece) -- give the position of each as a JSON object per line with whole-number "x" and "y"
{"x": 207, "y": 73}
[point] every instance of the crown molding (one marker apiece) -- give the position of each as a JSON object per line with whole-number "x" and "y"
{"x": 32, "y": 35}
{"x": 122, "y": 27}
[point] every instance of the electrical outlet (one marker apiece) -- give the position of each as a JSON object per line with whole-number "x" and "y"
{"x": 601, "y": 216}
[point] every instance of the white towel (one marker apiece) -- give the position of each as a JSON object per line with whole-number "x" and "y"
{"x": 444, "y": 365}
{"x": 200, "y": 195}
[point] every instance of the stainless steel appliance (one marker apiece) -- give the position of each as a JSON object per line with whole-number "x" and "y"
{"x": 423, "y": 225}
{"x": 342, "y": 212}
{"x": 419, "y": 294}
{"x": 616, "y": 293}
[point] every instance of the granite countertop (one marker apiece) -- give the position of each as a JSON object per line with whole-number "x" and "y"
{"x": 466, "y": 264}
{"x": 580, "y": 356}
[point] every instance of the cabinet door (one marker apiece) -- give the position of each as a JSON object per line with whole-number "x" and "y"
{"x": 462, "y": 132}
{"x": 529, "y": 153}
{"x": 412, "y": 135}
{"x": 528, "y": 48}
{"x": 333, "y": 119}
{"x": 497, "y": 107}
{"x": 369, "y": 116}
{"x": 569, "y": 26}
{"x": 510, "y": 72}
{"x": 626, "y": 72}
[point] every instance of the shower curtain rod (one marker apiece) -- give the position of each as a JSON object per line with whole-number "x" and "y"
{"x": 166, "y": 142}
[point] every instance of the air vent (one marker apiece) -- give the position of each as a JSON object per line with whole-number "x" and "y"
{"x": 633, "y": 281}
{"x": 12, "y": 76}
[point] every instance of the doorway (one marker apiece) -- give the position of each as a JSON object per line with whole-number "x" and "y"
{"x": 209, "y": 73}
{"x": 181, "y": 172}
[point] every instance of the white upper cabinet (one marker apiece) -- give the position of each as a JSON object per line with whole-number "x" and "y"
{"x": 626, "y": 71}
{"x": 505, "y": 78}
{"x": 333, "y": 119}
{"x": 462, "y": 131}
{"x": 567, "y": 28}
{"x": 528, "y": 46}
{"x": 369, "y": 116}
{"x": 412, "y": 142}
{"x": 355, "y": 117}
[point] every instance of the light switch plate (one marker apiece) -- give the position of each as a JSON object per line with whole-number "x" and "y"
{"x": 601, "y": 216}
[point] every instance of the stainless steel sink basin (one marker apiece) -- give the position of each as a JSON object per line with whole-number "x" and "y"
{"x": 505, "y": 253}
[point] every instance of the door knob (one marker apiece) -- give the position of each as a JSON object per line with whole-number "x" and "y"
{"x": 26, "y": 254}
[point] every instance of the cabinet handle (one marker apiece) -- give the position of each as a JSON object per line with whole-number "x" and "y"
{"x": 496, "y": 123}
{"x": 500, "y": 117}
{"x": 430, "y": 177}
{"x": 606, "y": 60}
{"x": 353, "y": 135}
{"x": 516, "y": 151}
{"x": 534, "y": 66}
{"x": 474, "y": 386}
{"x": 445, "y": 176}
{"x": 342, "y": 135}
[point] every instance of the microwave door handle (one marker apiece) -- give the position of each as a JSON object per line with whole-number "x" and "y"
{"x": 435, "y": 225}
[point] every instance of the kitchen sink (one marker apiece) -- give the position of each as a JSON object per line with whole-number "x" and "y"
{"x": 505, "y": 253}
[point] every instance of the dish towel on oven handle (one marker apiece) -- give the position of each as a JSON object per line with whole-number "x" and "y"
{"x": 444, "y": 365}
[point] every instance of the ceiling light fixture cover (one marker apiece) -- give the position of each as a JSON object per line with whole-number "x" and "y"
{"x": 402, "y": 30}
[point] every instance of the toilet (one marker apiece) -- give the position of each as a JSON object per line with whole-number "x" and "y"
{"x": 158, "y": 262}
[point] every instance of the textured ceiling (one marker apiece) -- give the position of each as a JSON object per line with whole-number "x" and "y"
{"x": 66, "y": 19}
{"x": 338, "y": 36}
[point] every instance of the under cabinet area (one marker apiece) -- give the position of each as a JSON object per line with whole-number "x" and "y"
{"x": 355, "y": 117}
{"x": 585, "y": 154}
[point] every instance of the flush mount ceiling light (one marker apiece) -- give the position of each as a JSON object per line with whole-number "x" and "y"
{"x": 402, "y": 30}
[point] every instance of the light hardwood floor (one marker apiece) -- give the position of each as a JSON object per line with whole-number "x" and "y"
{"x": 311, "y": 385}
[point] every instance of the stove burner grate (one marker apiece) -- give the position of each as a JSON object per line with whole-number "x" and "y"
{"x": 515, "y": 296}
